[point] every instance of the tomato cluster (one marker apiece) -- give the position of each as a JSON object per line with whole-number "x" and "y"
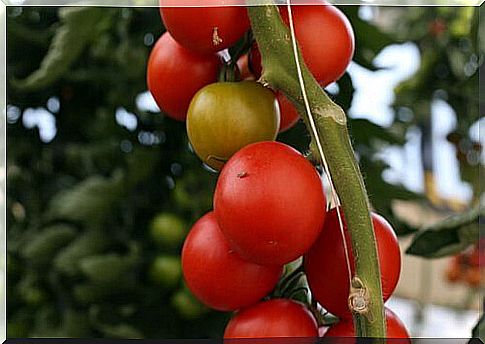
{"x": 269, "y": 204}
{"x": 466, "y": 268}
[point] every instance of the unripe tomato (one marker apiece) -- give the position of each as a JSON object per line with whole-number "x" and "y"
{"x": 175, "y": 74}
{"x": 166, "y": 271}
{"x": 226, "y": 116}
{"x": 395, "y": 329}
{"x": 205, "y": 29}
{"x": 187, "y": 305}
{"x": 326, "y": 266}
{"x": 167, "y": 230}
{"x": 216, "y": 275}
{"x": 325, "y": 38}
{"x": 269, "y": 202}
{"x": 272, "y": 319}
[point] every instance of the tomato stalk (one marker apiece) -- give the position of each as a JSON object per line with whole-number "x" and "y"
{"x": 280, "y": 72}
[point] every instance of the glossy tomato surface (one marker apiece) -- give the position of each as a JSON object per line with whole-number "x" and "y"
{"x": 226, "y": 116}
{"x": 326, "y": 267}
{"x": 175, "y": 74}
{"x": 208, "y": 29}
{"x": 325, "y": 37}
{"x": 269, "y": 202}
{"x": 288, "y": 114}
{"x": 272, "y": 319}
{"x": 395, "y": 329}
{"x": 216, "y": 275}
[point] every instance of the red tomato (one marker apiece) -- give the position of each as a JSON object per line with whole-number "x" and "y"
{"x": 216, "y": 275}
{"x": 325, "y": 37}
{"x": 269, "y": 202}
{"x": 175, "y": 74}
{"x": 243, "y": 65}
{"x": 254, "y": 61}
{"x": 288, "y": 114}
{"x": 395, "y": 329}
{"x": 271, "y": 319}
{"x": 214, "y": 27}
{"x": 326, "y": 267}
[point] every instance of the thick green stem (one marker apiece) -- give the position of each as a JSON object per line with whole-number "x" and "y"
{"x": 280, "y": 72}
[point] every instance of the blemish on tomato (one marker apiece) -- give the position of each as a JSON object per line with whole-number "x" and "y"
{"x": 242, "y": 175}
{"x": 216, "y": 39}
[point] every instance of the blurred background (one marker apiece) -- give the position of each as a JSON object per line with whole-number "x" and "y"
{"x": 102, "y": 188}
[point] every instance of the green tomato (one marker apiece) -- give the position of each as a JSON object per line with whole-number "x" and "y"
{"x": 166, "y": 271}
{"x": 187, "y": 305}
{"x": 226, "y": 116}
{"x": 167, "y": 230}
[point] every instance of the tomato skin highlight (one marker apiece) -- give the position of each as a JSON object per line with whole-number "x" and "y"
{"x": 395, "y": 329}
{"x": 175, "y": 74}
{"x": 226, "y": 116}
{"x": 216, "y": 275}
{"x": 326, "y": 267}
{"x": 272, "y": 319}
{"x": 205, "y": 29}
{"x": 263, "y": 192}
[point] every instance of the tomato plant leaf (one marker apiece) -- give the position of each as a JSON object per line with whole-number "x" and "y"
{"x": 80, "y": 26}
{"x": 479, "y": 331}
{"x": 367, "y": 133}
{"x": 110, "y": 268}
{"x": 448, "y": 237}
{"x": 89, "y": 201}
{"x": 45, "y": 245}
{"x": 369, "y": 39}
{"x": 89, "y": 243}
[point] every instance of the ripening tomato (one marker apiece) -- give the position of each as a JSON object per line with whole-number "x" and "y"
{"x": 272, "y": 319}
{"x": 175, "y": 74}
{"x": 395, "y": 329}
{"x": 325, "y": 37}
{"x": 208, "y": 29}
{"x": 269, "y": 203}
{"x": 224, "y": 117}
{"x": 216, "y": 275}
{"x": 326, "y": 266}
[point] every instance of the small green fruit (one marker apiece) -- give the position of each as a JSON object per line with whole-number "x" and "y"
{"x": 167, "y": 230}
{"x": 187, "y": 305}
{"x": 166, "y": 271}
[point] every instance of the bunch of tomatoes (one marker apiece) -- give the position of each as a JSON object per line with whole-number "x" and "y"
{"x": 465, "y": 267}
{"x": 269, "y": 204}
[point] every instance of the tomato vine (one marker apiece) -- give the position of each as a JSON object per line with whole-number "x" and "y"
{"x": 280, "y": 72}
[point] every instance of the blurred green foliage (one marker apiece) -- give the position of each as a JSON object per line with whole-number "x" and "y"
{"x": 84, "y": 209}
